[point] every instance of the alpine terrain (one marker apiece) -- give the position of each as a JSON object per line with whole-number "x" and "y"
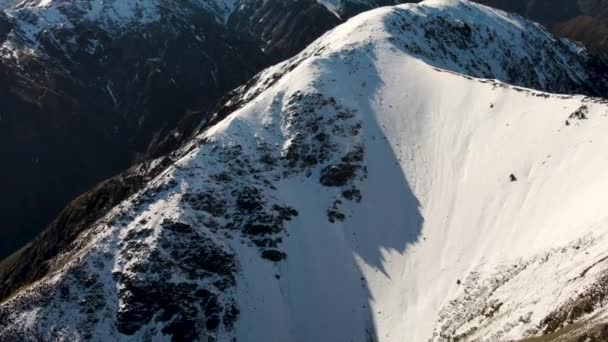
{"x": 422, "y": 172}
{"x": 580, "y": 20}
{"x": 91, "y": 87}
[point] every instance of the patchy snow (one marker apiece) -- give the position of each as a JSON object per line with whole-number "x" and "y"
{"x": 374, "y": 179}
{"x": 38, "y": 17}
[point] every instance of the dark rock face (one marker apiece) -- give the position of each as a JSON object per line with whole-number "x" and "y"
{"x": 580, "y": 113}
{"x": 338, "y": 175}
{"x": 273, "y": 255}
{"x": 145, "y": 291}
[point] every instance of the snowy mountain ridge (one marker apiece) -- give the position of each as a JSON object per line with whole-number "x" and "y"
{"x": 382, "y": 185}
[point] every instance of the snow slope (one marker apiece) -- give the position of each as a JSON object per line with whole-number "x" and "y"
{"x": 361, "y": 191}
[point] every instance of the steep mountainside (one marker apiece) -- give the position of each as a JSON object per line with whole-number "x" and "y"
{"x": 80, "y": 100}
{"x": 284, "y": 25}
{"x": 370, "y": 188}
{"x": 87, "y": 87}
{"x": 584, "y": 21}
{"x": 580, "y": 20}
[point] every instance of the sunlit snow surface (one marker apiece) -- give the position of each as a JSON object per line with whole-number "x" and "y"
{"x": 441, "y": 242}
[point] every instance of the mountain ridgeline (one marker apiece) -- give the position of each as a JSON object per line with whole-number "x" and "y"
{"x": 409, "y": 176}
{"x": 88, "y": 88}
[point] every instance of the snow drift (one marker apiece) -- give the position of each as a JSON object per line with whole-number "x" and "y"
{"x": 368, "y": 189}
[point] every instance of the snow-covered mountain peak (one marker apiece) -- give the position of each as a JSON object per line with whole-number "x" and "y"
{"x": 455, "y": 35}
{"x": 369, "y": 189}
{"x": 475, "y": 40}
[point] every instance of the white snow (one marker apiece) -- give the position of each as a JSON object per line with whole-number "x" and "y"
{"x": 438, "y": 206}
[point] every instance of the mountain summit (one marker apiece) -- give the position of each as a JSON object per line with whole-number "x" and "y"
{"x": 388, "y": 183}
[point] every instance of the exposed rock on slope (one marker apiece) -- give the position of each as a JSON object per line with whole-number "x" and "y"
{"x": 90, "y": 86}
{"x": 359, "y": 191}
